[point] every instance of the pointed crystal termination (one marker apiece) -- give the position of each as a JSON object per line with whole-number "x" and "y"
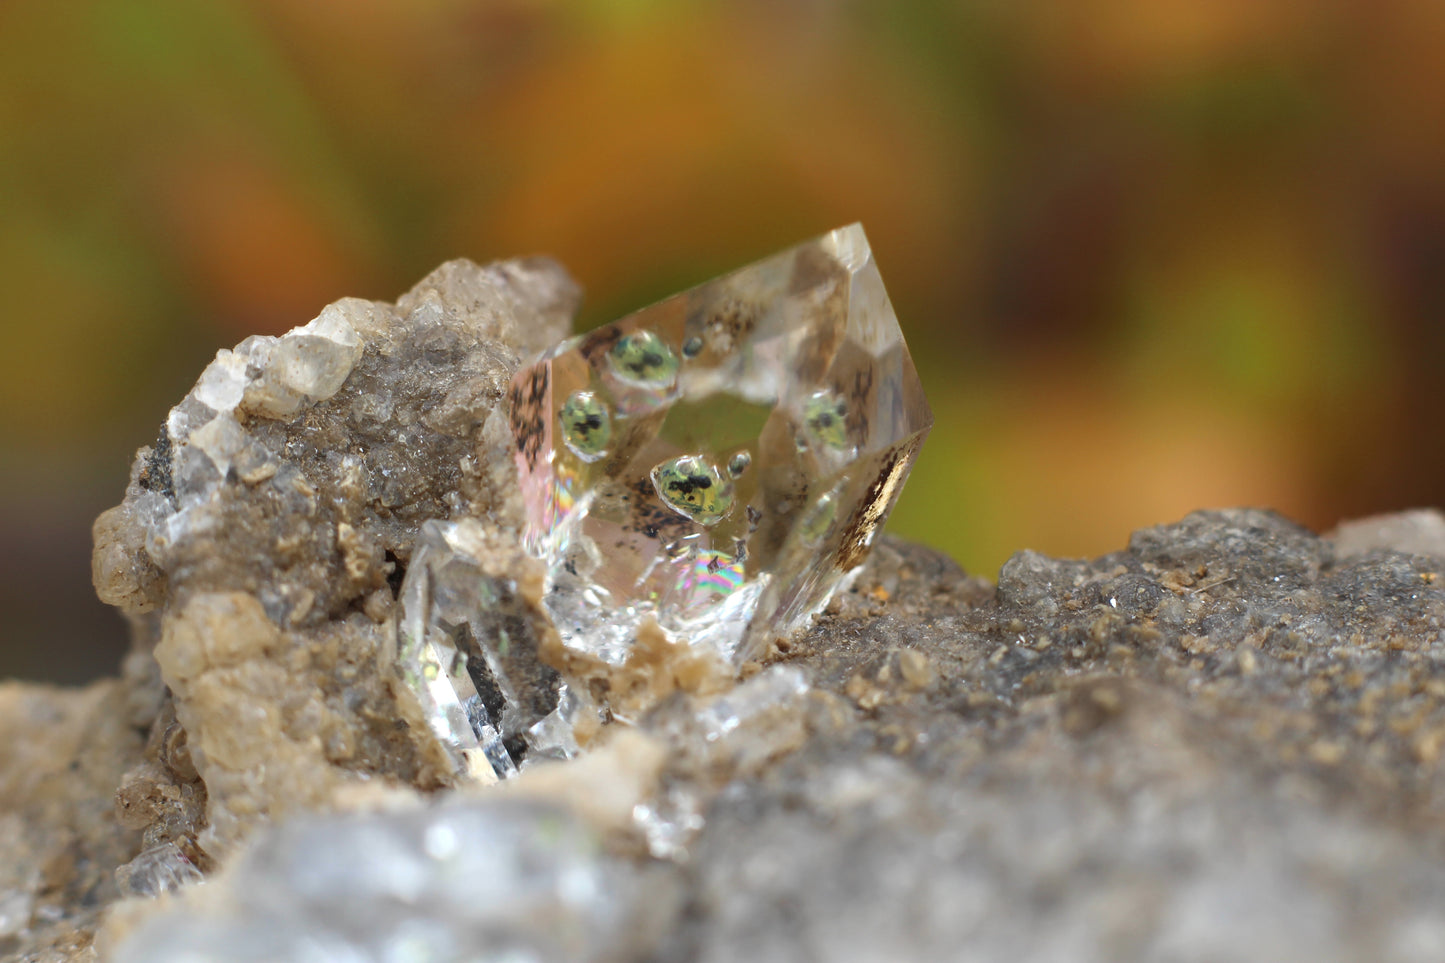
{"x": 467, "y": 649}
{"x": 721, "y": 461}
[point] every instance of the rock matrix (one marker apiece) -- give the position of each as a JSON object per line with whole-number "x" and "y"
{"x": 1222, "y": 741}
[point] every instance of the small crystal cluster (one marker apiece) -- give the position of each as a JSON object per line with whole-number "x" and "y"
{"x": 719, "y": 462}
{"x": 714, "y": 466}
{"x": 211, "y": 445}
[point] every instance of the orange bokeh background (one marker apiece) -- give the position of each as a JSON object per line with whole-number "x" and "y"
{"x": 1152, "y": 255}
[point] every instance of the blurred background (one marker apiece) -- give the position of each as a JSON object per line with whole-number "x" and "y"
{"x": 1151, "y": 255}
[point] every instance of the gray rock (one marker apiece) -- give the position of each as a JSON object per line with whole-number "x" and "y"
{"x": 1221, "y": 744}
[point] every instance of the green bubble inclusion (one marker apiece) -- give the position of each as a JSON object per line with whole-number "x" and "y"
{"x": 642, "y": 358}
{"x": 826, "y": 418}
{"x": 693, "y": 487}
{"x": 586, "y": 425}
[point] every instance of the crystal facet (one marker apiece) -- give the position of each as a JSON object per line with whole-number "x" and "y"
{"x": 468, "y": 652}
{"x": 721, "y": 461}
{"x": 157, "y": 870}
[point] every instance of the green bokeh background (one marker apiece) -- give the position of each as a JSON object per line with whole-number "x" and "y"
{"x": 1151, "y": 255}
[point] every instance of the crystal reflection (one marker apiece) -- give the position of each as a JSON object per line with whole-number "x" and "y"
{"x": 708, "y": 578}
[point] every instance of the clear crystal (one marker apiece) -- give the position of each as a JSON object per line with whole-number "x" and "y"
{"x": 223, "y": 384}
{"x": 555, "y": 736}
{"x": 467, "y": 651}
{"x": 769, "y": 690}
{"x": 747, "y": 725}
{"x": 303, "y": 366}
{"x": 669, "y": 823}
{"x": 721, "y": 461}
{"x": 159, "y": 869}
{"x": 277, "y": 377}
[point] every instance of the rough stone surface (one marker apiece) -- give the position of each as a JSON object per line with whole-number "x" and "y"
{"x": 1220, "y": 742}
{"x": 62, "y": 754}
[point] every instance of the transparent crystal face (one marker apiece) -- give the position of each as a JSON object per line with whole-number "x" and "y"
{"x": 721, "y": 461}
{"x": 467, "y": 651}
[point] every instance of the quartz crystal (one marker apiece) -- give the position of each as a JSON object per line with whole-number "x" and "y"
{"x": 467, "y": 650}
{"x": 734, "y": 731}
{"x": 159, "y": 869}
{"x": 719, "y": 462}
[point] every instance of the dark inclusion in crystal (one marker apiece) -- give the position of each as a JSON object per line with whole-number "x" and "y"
{"x": 156, "y": 473}
{"x": 527, "y": 409}
{"x": 826, "y": 418}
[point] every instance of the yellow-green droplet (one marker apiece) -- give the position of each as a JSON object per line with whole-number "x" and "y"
{"x": 586, "y": 425}
{"x": 692, "y": 487}
{"x": 642, "y": 358}
{"x": 825, "y": 417}
{"x": 819, "y": 518}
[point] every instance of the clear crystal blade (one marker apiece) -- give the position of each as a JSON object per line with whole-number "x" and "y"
{"x": 466, "y": 649}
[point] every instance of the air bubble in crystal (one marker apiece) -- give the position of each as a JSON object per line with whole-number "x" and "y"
{"x": 826, "y": 418}
{"x": 586, "y": 425}
{"x": 819, "y": 518}
{"x": 643, "y": 359}
{"x": 693, "y": 487}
